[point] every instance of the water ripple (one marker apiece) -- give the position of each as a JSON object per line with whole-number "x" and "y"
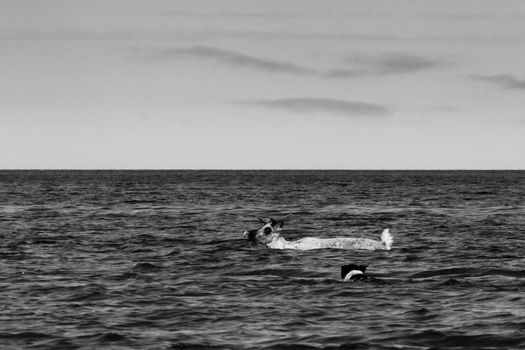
{"x": 156, "y": 260}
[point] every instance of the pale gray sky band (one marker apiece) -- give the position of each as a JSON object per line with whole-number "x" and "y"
{"x": 439, "y": 16}
{"x": 134, "y": 33}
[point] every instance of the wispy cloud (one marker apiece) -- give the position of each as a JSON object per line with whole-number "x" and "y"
{"x": 384, "y": 64}
{"x": 390, "y": 63}
{"x": 518, "y": 122}
{"x": 238, "y": 59}
{"x": 507, "y": 81}
{"x": 324, "y": 105}
{"x": 359, "y": 65}
{"x": 344, "y": 73}
{"x": 397, "y": 63}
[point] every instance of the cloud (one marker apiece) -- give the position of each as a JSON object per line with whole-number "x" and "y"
{"x": 361, "y": 65}
{"x": 401, "y": 63}
{"x": 384, "y": 64}
{"x": 238, "y": 59}
{"x": 343, "y": 73}
{"x": 392, "y": 63}
{"x": 518, "y": 122}
{"x": 507, "y": 81}
{"x": 325, "y": 105}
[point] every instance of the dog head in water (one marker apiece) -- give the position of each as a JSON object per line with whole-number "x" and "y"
{"x": 353, "y": 272}
{"x": 267, "y": 233}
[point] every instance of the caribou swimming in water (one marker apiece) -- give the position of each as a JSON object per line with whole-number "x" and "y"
{"x": 270, "y": 236}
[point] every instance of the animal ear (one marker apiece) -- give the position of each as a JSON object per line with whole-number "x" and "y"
{"x": 345, "y": 270}
{"x": 262, "y": 221}
{"x": 281, "y": 222}
{"x": 278, "y": 224}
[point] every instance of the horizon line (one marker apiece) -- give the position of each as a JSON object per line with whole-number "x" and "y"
{"x": 261, "y": 169}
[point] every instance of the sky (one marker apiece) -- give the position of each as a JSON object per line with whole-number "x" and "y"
{"x": 239, "y": 84}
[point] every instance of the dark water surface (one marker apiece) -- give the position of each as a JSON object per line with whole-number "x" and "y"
{"x": 156, "y": 260}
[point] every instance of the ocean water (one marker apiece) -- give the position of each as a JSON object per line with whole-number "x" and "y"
{"x": 156, "y": 260}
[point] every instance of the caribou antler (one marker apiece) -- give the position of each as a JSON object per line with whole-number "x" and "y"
{"x": 277, "y": 224}
{"x": 273, "y": 221}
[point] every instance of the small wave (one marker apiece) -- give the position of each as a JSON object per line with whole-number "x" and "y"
{"x": 136, "y": 201}
{"x": 112, "y": 337}
{"x": 411, "y": 257}
{"x": 90, "y": 292}
{"x": 143, "y": 238}
{"x": 27, "y": 336}
{"x": 469, "y": 272}
{"x": 453, "y": 282}
{"x": 275, "y": 272}
{"x": 146, "y": 267}
{"x": 444, "y": 272}
{"x": 438, "y": 339}
{"x": 45, "y": 240}
{"x": 194, "y": 346}
{"x": 282, "y": 346}
{"x": 34, "y": 340}
{"x": 504, "y": 272}
{"x": 103, "y": 338}
{"x": 314, "y": 281}
{"x": 124, "y": 276}
{"x": 421, "y": 314}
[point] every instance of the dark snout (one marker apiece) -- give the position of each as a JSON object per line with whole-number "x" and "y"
{"x": 250, "y": 235}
